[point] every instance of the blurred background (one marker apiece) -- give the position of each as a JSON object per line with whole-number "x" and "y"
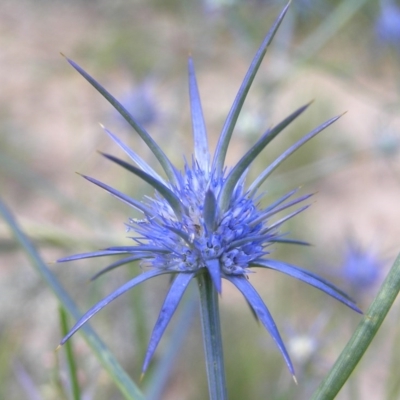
{"x": 344, "y": 55}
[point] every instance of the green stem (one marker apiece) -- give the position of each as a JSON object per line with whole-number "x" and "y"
{"x": 127, "y": 387}
{"x": 75, "y": 390}
{"x": 393, "y": 382}
{"x": 212, "y": 340}
{"x": 362, "y": 337}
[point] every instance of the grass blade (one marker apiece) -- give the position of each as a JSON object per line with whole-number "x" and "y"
{"x": 362, "y": 337}
{"x": 73, "y": 376}
{"x": 127, "y": 387}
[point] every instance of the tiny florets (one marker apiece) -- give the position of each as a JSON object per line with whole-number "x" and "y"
{"x": 235, "y": 239}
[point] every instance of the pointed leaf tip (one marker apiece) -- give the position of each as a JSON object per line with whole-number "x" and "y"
{"x": 263, "y": 314}
{"x": 230, "y": 122}
{"x": 174, "y": 296}
{"x": 153, "y": 146}
{"x": 201, "y": 151}
{"x": 108, "y": 299}
{"x": 167, "y": 193}
{"x": 239, "y": 169}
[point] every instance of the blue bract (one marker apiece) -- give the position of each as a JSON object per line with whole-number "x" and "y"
{"x": 205, "y": 219}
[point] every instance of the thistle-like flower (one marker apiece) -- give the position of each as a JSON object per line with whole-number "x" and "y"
{"x": 362, "y": 268}
{"x": 205, "y": 219}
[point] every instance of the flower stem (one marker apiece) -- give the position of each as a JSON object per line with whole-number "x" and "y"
{"x": 362, "y": 337}
{"x": 73, "y": 373}
{"x": 212, "y": 340}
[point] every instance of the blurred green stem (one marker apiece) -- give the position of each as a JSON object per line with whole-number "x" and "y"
{"x": 75, "y": 391}
{"x": 332, "y": 24}
{"x": 107, "y": 359}
{"x": 362, "y": 337}
{"x": 393, "y": 381}
{"x": 212, "y": 340}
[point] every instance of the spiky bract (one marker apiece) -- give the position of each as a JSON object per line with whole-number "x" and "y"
{"x": 206, "y": 219}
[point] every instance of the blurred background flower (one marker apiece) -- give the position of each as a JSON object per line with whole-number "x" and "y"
{"x": 141, "y": 102}
{"x": 388, "y": 24}
{"x": 362, "y": 268}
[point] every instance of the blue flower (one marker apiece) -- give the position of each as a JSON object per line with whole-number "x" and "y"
{"x": 206, "y": 219}
{"x": 140, "y": 102}
{"x": 361, "y": 268}
{"x": 388, "y": 24}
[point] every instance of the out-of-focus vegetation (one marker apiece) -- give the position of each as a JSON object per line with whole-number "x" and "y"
{"x": 345, "y": 55}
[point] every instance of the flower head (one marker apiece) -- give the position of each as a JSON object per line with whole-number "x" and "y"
{"x": 141, "y": 103}
{"x": 205, "y": 219}
{"x": 387, "y": 25}
{"x": 361, "y": 268}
